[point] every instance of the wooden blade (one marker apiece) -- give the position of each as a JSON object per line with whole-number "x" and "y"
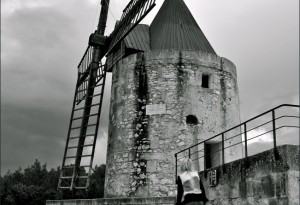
{"x": 103, "y": 17}
{"x": 134, "y": 12}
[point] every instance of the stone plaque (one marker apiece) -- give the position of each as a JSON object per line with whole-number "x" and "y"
{"x": 156, "y": 109}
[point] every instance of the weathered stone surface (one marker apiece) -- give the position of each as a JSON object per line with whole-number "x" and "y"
{"x": 116, "y": 201}
{"x": 173, "y": 79}
{"x": 265, "y": 180}
{"x": 237, "y": 184}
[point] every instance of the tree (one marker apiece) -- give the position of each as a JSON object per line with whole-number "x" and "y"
{"x": 36, "y": 184}
{"x": 96, "y": 188}
{"x": 35, "y": 174}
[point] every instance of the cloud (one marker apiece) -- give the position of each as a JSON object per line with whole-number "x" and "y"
{"x": 43, "y": 41}
{"x": 29, "y": 133}
{"x": 286, "y": 123}
{"x": 9, "y": 7}
{"x": 258, "y": 147}
{"x": 101, "y": 147}
{"x": 284, "y": 136}
{"x": 261, "y": 139}
{"x": 295, "y": 100}
{"x": 288, "y": 135}
{"x": 258, "y": 135}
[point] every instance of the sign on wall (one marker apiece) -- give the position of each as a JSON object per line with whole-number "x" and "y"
{"x": 213, "y": 178}
{"x": 156, "y": 109}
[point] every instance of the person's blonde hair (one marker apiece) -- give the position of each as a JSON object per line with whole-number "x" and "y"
{"x": 186, "y": 165}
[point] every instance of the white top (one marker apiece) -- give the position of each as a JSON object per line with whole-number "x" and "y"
{"x": 190, "y": 182}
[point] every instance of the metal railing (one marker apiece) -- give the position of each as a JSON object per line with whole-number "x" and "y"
{"x": 242, "y": 140}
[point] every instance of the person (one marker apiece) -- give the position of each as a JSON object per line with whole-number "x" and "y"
{"x": 190, "y": 189}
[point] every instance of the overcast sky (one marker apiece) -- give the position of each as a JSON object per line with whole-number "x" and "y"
{"x": 42, "y": 42}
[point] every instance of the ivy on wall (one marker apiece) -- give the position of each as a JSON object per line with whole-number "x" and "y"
{"x": 141, "y": 141}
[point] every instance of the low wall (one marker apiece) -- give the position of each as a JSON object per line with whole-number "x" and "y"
{"x": 259, "y": 180}
{"x": 117, "y": 201}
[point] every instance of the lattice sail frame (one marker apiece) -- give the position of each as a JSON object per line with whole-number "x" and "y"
{"x": 83, "y": 69}
{"x": 85, "y": 117}
{"x": 133, "y": 13}
{"x": 82, "y": 135}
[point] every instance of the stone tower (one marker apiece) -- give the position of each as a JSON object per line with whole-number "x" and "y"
{"x": 170, "y": 90}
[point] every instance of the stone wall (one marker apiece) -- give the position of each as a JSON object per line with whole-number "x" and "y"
{"x": 123, "y": 112}
{"x": 117, "y": 201}
{"x": 141, "y": 148}
{"x": 260, "y": 180}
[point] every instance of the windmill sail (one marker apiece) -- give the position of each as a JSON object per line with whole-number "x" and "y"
{"x": 82, "y": 134}
{"x": 134, "y": 12}
{"x": 83, "y": 128}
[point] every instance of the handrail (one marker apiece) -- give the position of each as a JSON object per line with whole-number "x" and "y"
{"x": 287, "y": 105}
{"x": 241, "y": 133}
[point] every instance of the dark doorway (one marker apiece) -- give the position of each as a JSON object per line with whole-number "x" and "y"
{"x": 212, "y": 155}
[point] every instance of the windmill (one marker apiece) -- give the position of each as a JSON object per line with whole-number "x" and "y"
{"x": 85, "y": 116}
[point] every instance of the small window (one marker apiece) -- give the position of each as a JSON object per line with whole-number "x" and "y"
{"x": 205, "y": 81}
{"x": 191, "y": 120}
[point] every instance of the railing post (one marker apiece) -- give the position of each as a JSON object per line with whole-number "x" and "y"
{"x": 246, "y": 144}
{"x": 204, "y": 160}
{"x": 204, "y": 156}
{"x": 176, "y": 168}
{"x": 223, "y": 151}
{"x": 274, "y": 134}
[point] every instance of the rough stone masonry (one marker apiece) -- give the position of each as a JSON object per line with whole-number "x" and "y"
{"x": 160, "y": 105}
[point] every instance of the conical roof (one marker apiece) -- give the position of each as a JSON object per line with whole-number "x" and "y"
{"x": 174, "y": 27}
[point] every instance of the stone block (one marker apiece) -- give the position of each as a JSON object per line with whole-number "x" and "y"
{"x": 243, "y": 189}
{"x": 153, "y": 156}
{"x": 293, "y": 183}
{"x": 267, "y": 186}
{"x": 281, "y": 184}
{"x": 290, "y": 201}
{"x": 151, "y": 166}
